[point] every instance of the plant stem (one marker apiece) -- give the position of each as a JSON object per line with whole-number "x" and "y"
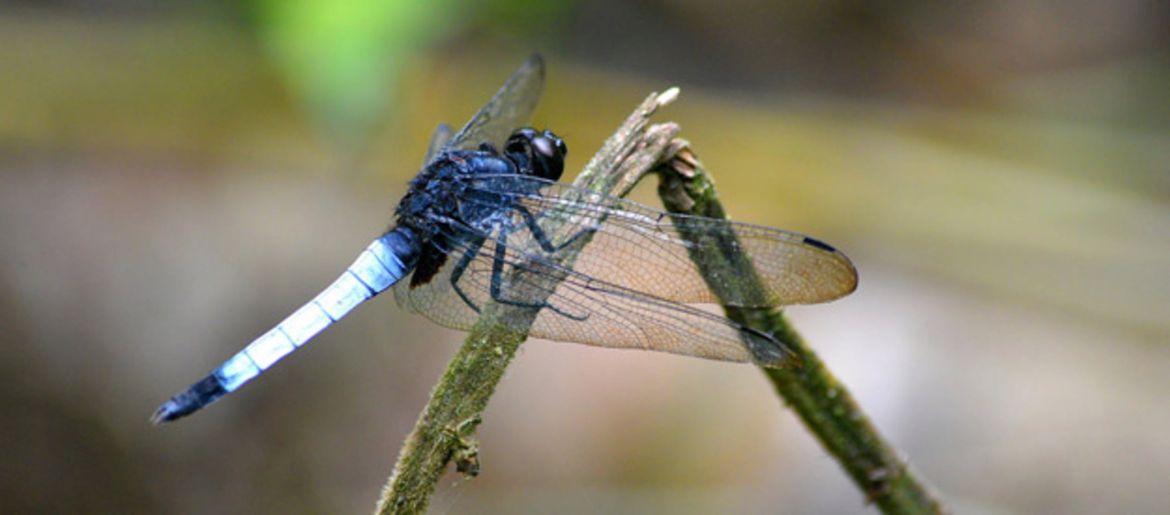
{"x": 824, "y": 405}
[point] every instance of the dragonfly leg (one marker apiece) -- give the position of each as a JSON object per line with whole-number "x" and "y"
{"x": 541, "y": 237}
{"x": 497, "y": 281}
{"x": 461, "y": 266}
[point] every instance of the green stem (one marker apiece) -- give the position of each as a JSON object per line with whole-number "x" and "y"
{"x": 826, "y": 407}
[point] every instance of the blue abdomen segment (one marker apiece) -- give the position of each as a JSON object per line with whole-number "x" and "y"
{"x": 384, "y": 262}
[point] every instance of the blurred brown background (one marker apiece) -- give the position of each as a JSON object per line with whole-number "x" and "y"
{"x": 176, "y": 177}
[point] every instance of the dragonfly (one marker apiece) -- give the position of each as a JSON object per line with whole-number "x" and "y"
{"x": 485, "y": 223}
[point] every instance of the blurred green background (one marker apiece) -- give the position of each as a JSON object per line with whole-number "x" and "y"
{"x": 176, "y": 177}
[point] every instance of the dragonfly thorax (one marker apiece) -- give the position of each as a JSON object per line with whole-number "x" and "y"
{"x": 434, "y": 198}
{"x": 435, "y": 202}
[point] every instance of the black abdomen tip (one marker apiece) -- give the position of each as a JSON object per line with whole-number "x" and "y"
{"x": 200, "y": 394}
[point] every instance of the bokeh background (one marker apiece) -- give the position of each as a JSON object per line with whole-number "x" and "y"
{"x": 176, "y": 177}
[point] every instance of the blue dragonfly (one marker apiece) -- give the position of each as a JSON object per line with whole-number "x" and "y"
{"x": 485, "y": 223}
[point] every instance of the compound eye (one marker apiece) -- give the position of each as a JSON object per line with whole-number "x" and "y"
{"x": 514, "y": 146}
{"x": 520, "y": 139}
{"x": 556, "y": 141}
{"x": 526, "y": 133}
{"x": 545, "y": 147}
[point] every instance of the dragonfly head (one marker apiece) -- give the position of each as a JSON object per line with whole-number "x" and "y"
{"x": 537, "y": 153}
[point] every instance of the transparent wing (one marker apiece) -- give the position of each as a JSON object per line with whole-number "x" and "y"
{"x": 573, "y": 307}
{"x": 439, "y": 141}
{"x": 509, "y": 109}
{"x": 643, "y": 249}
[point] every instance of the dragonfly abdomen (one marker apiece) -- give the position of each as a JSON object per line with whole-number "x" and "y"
{"x": 384, "y": 262}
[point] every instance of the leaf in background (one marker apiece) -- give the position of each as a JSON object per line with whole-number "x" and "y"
{"x": 343, "y": 58}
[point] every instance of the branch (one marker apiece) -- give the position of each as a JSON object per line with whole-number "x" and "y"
{"x": 826, "y": 407}
{"x": 443, "y": 431}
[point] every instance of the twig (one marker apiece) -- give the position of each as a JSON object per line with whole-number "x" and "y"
{"x": 443, "y": 431}
{"x": 826, "y": 407}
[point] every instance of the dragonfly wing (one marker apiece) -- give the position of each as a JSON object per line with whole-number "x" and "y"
{"x": 509, "y": 109}
{"x": 439, "y": 141}
{"x": 430, "y": 291}
{"x": 576, "y": 308}
{"x": 647, "y": 250}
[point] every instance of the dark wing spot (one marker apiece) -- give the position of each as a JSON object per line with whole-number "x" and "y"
{"x": 429, "y": 263}
{"x": 819, "y": 244}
